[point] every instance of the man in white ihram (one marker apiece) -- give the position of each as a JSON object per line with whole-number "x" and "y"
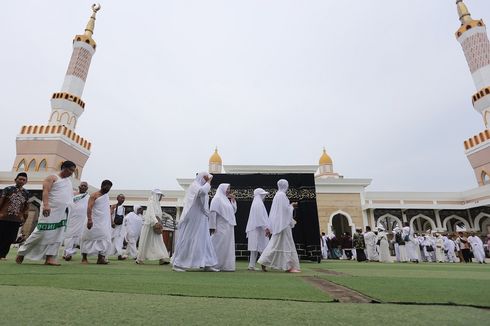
{"x": 77, "y": 218}
{"x": 222, "y": 223}
{"x": 193, "y": 248}
{"x": 281, "y": 253}
{"x": 133, "y": 223}
{"x": 257, "y": 227}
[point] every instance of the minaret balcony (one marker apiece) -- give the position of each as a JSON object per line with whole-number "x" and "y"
{"x": 54, "y": 130}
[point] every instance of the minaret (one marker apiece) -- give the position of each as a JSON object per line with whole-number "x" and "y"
{"x": 472, "y": 35}
{"x": 42, "y": 148}
{"x": 215, "y": 162}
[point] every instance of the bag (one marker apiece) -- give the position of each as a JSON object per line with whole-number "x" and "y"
{"x": 118, "y": 219}
{"x": 158, "y": 228}
{"x": 406, "y": 238}
{"x": 378, "y": 242}
{"x": 429, "y": 249}
{"x": 398, "y": 239}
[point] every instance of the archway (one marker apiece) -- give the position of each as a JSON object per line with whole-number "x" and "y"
{"x": 451, "y": 222}
{"x": 389, "y": 222}
{"x": 481, "y": 217}
{"x": 418, "y": 223}
{"x": 340, "y": 221}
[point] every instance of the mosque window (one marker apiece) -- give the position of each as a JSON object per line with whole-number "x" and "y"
{"x": 42, "y": 166}
{"x": 487, "y": 91}
{"x": 21, "y": 166}
{"x": 76, "y": 173}
{"x": 485, "y": 178}
{"x": 32, "y": 165}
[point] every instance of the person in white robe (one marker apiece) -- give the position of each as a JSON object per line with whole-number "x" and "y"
{"x": 410, "y": 243}
{"x": 477, "y": 248}
{"x": 396, "y": 246}
{"x": 118, "y": 233}
{"x": 222, "y": 223}
{"x": 257, "y": 228}
{"x": 449, "y": 247}
{"x": 324, "y": 244}
{"x": 77, "y": 219}
{"x": 280, "y": 252}
{"x": 133, "y": 223}
{"x": 193, "y": 246}
{"x": 45, "y": 241}
{"x": 384, "y": 248}
{"x": 370, "y": 241}
{"x": 151, "y": 245}
{"x": 440, "y": 256}
{"x": 96, "y": 236}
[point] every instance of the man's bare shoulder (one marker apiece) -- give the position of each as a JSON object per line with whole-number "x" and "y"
{"x": 96, "y": 195}
{"x": 52, "y": 178}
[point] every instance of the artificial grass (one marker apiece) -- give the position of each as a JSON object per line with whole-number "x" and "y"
{"x": 40, "y": 305}
{"x": 465, "y": 284}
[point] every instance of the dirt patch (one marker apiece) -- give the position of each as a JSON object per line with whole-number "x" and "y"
{"x": 329, "y": 272}
{"x": 338, "y": 292}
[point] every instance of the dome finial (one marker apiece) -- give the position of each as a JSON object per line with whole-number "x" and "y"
{"x": 89, "y": 30}
{"x": 215, "y": 158}
{"x": 325, "y": 159}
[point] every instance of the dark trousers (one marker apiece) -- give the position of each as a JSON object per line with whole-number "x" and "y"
{"x": 466, "y": 255}
{"x": 8, "y": 235}
{"x": 361, "y": 255}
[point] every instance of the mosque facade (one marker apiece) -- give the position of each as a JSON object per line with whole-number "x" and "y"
{"x": 344, "y": 204}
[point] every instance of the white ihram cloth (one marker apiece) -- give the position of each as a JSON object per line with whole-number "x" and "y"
{"x": 222, "y": 220}
{"x": 449, "y": 247}
{"x": 193, "y": 248}
{"x": 151, "y": 245}
{"x": 97, "y": 240}
{"x": 280, "y": 252}
{"x": 77, "y": 219}
{"x": 370, "y": 241}
{"x": 133, "y": 223}
{"x": 384, "y": 249}
{"x": 258, "y": 221}
{"x": 440, "y": 257}
{"x": 49, "y": 233}
{"x": 118, "y": 234}
{"x": 477, "y": 248}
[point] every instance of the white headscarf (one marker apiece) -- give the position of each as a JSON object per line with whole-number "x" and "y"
{"x": 135, "y": 209}
{"x": 221, "y": 204}
{"x": 258, "y": 214}
{"x": 281, "y": 214}
{"x": 192, "y": 192}
{"x": 153, "y": 208}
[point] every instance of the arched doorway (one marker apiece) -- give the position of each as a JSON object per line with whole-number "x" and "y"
{"x": 453, "y": 222}
{"x": 340, "y": 224}
{"x": 421, "y": 224}
{"x": 389, "y": 222}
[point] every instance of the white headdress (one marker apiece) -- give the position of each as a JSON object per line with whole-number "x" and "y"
{"x": 258, "y": 214}
{"x": 281, "y": 214}
{"x": 221, "y": 204}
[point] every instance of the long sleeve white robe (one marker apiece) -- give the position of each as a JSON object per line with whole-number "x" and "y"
{"x": 223, "y": 240}
{"x": 77, "y": 219}
{"x": 370, "y": 241}
{"x": 384, "y": 249}
{"x": 133, "y": 224}
{"x": 193, "y": 248}
{"x": 477, "y": 248}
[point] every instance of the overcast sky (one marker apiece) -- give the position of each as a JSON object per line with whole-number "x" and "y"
{"x": 382, "y": 84}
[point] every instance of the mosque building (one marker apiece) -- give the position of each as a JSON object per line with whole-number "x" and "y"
{"x": 343, "y": 203}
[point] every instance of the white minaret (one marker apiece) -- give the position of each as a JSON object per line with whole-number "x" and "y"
{"x": 67, "y": 105}
{"x": 472, "y": 35}
{"x": 42, "y": 148}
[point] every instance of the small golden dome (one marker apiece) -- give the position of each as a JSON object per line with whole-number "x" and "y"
{"x": 325, "y": 159}
{"x": 215, "y": 158}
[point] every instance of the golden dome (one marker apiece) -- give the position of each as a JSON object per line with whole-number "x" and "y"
{"x": 215, "y": 158}
{"x": 325, "y": 159}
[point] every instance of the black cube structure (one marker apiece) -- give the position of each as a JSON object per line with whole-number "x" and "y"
{"x": 306, "y": 233}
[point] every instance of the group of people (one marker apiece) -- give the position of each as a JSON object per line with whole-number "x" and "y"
{"x": 205, "y": 235}
{"x": 204, "y": 238}
{"x": 374, "y": 245}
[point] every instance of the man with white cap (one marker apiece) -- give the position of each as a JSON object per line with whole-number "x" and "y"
{"x": 193, "y": 247}
{"x": 257, "y": 227}
{"x": 133, "y": 223}
{"x": 151, "y": 245}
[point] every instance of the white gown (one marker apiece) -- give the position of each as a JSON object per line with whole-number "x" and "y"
{"x": 384, "y": 250}
{"x": 133, "y": 224}
{"x": 97, "y": 240}
{"x": 193, "y": 248}
{"x": 477, "y": 248}
{"x": 370, "y": 241}
{"x": 117, "y": 235}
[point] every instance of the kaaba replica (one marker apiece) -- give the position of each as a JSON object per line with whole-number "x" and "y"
{"x": 306, "y": 233}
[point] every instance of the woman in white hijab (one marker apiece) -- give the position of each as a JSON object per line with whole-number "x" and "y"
{"x": 257, "y": 227}
{"x": 151, "y": 245}
{"x": 281, "y": 253}
{"x": 193, "y": 247}
{"x": 222, "y": 225}
{"x": 384, "y": 248}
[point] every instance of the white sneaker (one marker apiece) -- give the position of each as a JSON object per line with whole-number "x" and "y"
{"x": 178, "y": 269}
{"x": 210, "y": 269}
